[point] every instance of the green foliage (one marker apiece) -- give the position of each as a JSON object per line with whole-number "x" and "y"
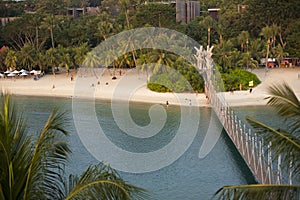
{"x": 259, "y": 192}
{"x": 184, "y": 78}
{"x": 239, "y": 76}
{"x": 11, "y": 8}
{"x": 170, "y": 82}
{"x": 157, "y": 15}
{"x": 293, "y": 35}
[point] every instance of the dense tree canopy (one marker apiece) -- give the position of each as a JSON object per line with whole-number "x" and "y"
{"x": 240, "y": 36}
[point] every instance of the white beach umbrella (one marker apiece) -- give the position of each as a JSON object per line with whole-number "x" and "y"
{"x": 16, "y": 72}
{"x": 24, "y": 74}
{"x": 11, "y": 75}
{"x": 33, "y": 72}
{"x": 7, "y": 72}
{"x": 22, "y": 70}
{"x": 1, "y": 75}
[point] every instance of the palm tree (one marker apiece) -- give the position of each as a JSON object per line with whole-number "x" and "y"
{"x": 246, "y": 61}
{"x": 266, "y": 32}
{"x": 279, "y": 53}
{"x": 285, "y": 143}
{"x": 34, "y": 169}
{"x": 26, "y": 54}
{"x": 243, "y": 40}
{"x": 80, "y": 53}
{"x": 52, "y": 58}
{"x": 223, "y": 55}
{"x": 49, "y": 23}
{"x": 161, "y": 58}
{"x": 255, "y": 49}
{"x": 106, "y": 26}
{"x": 92, "y": 60}
{"x": 11, "y": 59}
{"x": 208, "y": 22}
{"x": 64, "y": 57}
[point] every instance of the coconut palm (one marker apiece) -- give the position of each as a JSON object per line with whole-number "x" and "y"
{"x": 64, "y": 57}
{"x": 246, "y": 61}
{"x": 105, "y": 27}
{"x": 208, "y": 23}
{"x": 49, "y": 23}
{"x": 52, "y": 58}
{"x": 243, "y": 40}
{"x": 34, "y": 168}
{"x": 255, "y": 49}
{"x": 285, "y": 143}
{"x": 26, "y": 56}
{"x": 266, "y": 32}
{"x": 223, "y": 55}
{"x": 80, "y": 53}
{"x": 11, "y": 59}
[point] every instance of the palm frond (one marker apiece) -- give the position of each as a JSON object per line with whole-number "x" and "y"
{"x": 102, "y": 182}
{"x": 49, "y": 158}
{"x": 282, "y": 143}
{"x": 15, "y": 150}
{"x": 258, "y": 192}
{"x": 286, "y": 103}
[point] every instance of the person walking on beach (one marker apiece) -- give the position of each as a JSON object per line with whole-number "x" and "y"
{"x": 167, "y": 103}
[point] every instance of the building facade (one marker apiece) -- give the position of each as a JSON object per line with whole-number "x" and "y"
{"x": 187, "y": 10}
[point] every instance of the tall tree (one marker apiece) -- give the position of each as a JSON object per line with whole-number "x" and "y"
{"x": 49, "y": 23}
{"x": 243, "y": 40}
{"x": 208, "y": 22}
{"x": 26, "y": 56}
{"x": 11, "y": 59}
{"x": 266, "y": 32}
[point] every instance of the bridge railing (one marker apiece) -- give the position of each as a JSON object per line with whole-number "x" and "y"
{"x": 264, "y": 167}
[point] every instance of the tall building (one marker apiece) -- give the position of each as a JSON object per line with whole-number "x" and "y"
{"x": 187, "y": 10}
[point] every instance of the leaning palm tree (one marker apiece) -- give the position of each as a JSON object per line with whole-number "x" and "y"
{"x": 285, "y": 143}
{"x": 32, "y": 167}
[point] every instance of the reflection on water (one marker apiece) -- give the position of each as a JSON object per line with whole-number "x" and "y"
{"x": 187, "y": 178}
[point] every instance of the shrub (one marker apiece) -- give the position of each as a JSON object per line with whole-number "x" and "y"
{"x": 239, "y": 76}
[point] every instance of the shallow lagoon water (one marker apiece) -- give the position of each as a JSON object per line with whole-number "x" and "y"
{"x": 189, "y": 177}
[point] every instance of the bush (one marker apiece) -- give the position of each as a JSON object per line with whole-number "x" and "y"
{"x": 239, "y": 76}
{"x": 174, "y": 82}
{"x": 183, "y": 77}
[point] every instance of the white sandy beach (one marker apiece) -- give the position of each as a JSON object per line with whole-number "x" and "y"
{"x": 131, "y": 85}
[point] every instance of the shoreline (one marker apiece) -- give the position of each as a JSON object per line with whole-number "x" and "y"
{"x": 131, "y": 85}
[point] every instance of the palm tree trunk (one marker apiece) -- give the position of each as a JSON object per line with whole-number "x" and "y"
{"x": 267, "y": 55}
{"x": 208, "y": 36}
{"x": 37, "y": 37}
{"x": 52, "y": 37}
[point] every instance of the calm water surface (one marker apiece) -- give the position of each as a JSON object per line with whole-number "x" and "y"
{"x": 187, "y": 178}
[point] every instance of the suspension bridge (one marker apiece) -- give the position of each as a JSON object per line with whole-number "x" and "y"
{"x": 266, "y": 168}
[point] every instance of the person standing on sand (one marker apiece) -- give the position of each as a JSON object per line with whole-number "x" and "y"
{"x": 207, "y": 100}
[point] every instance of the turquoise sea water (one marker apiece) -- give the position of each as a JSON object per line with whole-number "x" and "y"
{"x": 189, "y": 177}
